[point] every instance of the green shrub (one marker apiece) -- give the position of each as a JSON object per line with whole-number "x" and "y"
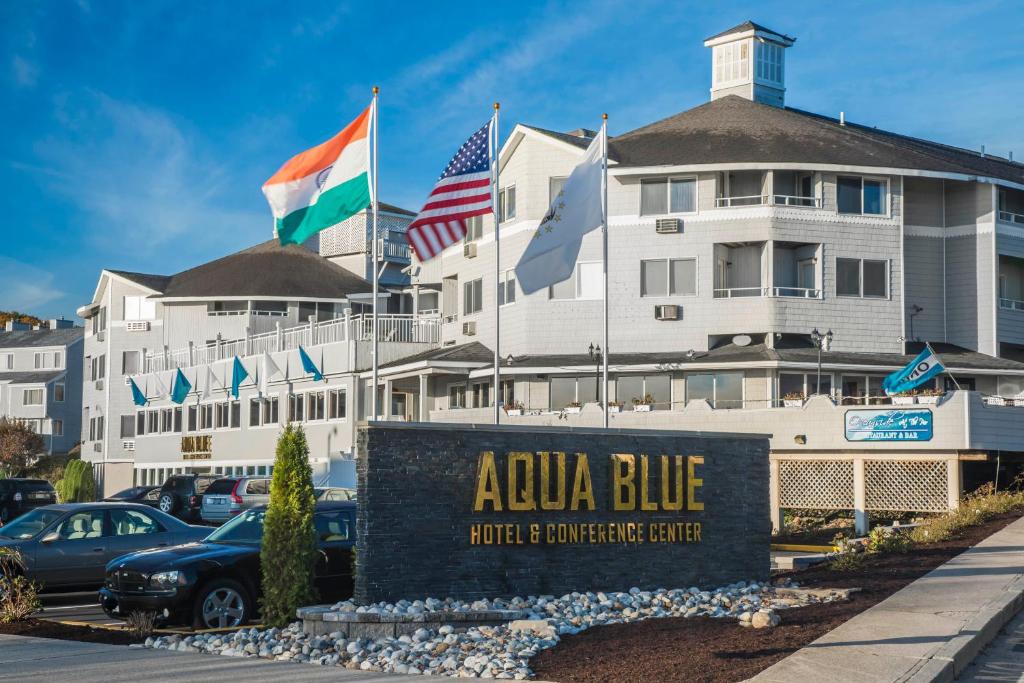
{"x": 78, "y": 484}
{"x": 19, "y": 597}
{"x": 975, "y": 508}
{"x": 847, "y": 562}
{"x": 882, "y": 540}
{"x": 288, "y": 554}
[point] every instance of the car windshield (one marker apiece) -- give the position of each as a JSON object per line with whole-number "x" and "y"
{"x": 29, "y": 524}
{"x": 245, "y": 528}
{"x": 128, "y": 493}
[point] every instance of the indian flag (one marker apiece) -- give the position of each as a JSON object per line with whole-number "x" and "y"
{"x": 324, "y": 185}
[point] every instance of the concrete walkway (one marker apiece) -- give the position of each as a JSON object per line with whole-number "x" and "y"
{"x": 928, "y": 631}
{"x": 43, "y": 659}
{"x": 1003, "y": 660}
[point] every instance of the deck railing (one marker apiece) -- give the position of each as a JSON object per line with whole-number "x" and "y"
{"x": 1010, "y": 217}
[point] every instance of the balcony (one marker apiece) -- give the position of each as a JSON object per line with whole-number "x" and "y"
{"x": 1010, "y": 207}
{"x": 768, "y": 200}
{"x": 1010, "y": 217}
{"x": 392, "y": 249}
{"x": 1011, "y": 283}
{"x": 396, "y": 328}
{"x": 738, "y": 270}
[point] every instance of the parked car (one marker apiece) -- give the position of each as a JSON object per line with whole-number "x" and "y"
{"x": 182, "y": 495}
{"x": 229, "y": 496}
{"x": 143, "y": 495}
{"x": 216, "y": 583}
{"x": 18, "y": 496}
{"x": 68, "y": 546}
{"x": 329, "y": 494}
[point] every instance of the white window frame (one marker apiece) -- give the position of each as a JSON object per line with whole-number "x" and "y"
{"x": 474, "y": 228}
{"x": 507, "y": 277}
{"x": 138, "y": 308}
{"x": 762, "y": 52}
{"x": 465, "y": 395}
{"x": 25, "y": 394}
{"x": 668, "y": 196}
{"x": 714, "y": 387}
{"x": 668, "y": 265}
{"x": 887, "y": 200}
{"x": 307, "y": 412}
{"x": 860, "y": 278}
{"x": 343, "y": 391}
{"x": 734, "y": 50}
{"x": 470, "y": 284}
{"x": 8, "y": 361}
{"x": 551, "y": 179}
{"x": 576, "y": 285}
{"x": 57, "y": 427}
{"x": 503, "y": 204}
{"x": 810, "y": 382}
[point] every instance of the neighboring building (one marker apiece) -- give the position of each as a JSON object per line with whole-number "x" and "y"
{"x": 41, "y": 380}
{"x": 266, "y": 298}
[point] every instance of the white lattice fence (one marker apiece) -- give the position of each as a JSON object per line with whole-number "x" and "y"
{"x": 816, "y": 484}
{"x": 911, "y": 485}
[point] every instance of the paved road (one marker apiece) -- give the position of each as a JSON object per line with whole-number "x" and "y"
{"x": 1003, "y": 660}
{"x": 74, "y": 607}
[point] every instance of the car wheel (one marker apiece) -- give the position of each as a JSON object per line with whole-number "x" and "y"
{"x": 166, "y": 504}
{"x": 221, "y": 604}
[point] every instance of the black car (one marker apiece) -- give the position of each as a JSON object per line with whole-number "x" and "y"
{"x": 182, "y": 495}
{"x": 68, "y": 546}
{"x": 143, "y": 495}
{"x": 216, "y": 583}
{"x": 18, "y": 496}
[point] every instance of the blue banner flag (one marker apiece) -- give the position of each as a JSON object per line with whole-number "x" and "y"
{"x": 137, "y": 396}
{"x": 238, "y": 375}
{"x": 181, "y": 388}
{"x": 309, "y": 366}
{"x": 923, "y": 368}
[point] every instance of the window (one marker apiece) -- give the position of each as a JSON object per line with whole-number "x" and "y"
{"x": 481, "y": 395}
{"x": 255, "y": 410}
{"x": 235, "y": 408}
{"x": 133, "y": 523}
{"x": 668, "y": 277}
{"x": 721, "y": 390}
{"x": 472, "y": 296}
{"x": 508, "y": 392}
{"x": 315, "y": 405}
{"x": 863, "y": 390}
{"x": 32, "y": 397}
{"x": 803, "y": 384}
{"x": 507, "y": 203}
{"x": 177, "y": 420}
{"x": 862, "y": 278}
{"x": 130, "y": 362}
{"x": 567, "y": 390}
{"x": 474, "y": 228}
{"x": 277, "y": 309}
{"x": 127, "y": 426}
{"x": 82, "y": 525}
{"x": 270, "y": 411}
{"x": 635, "y": 387}
{"x": 586, "y": 282}
{"x": 660, "y": 196}
{"x": 98, "y": 368}
{"x": 140, "y": 424}
{"x": 139, "y": 308}
{"x": 7, "y": 361}
{"x": 40, "y": 361}
{"x": 58, "y": 392}
{"x": 193, "y": 418}
{"x": 337, "y": 408}
{"x": 507, "y": 288}
{"x": 57, "y": 427}
{"x": 858, "y": 195}
{"x": 769, "y": 62}
{"x": 153, "y": 422}
{"x": 732, "y": 62}
{"x": 206, "y": 416}
{"x": 457, "y": 396}
{"x": 166, "y": 420}
{"x": 99, "y": 320}
{"x": 219, "y": 308}
{"x": 221, "y": 413}
{"x": 555, "y": 187}
{"x": 332, "y": 527}
{"x": 295, "y": 407}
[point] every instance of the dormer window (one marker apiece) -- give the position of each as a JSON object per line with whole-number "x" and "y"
{"x": 769, "y": 62}
{"x": 732, "y": 62}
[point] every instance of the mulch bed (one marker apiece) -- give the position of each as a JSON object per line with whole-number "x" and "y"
{"x": 720, "y": 651}
{"x": 40, "y": 628}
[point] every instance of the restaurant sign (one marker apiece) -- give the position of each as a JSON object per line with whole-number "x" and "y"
{"x": 197, "y": 447}
{"x": 889, "y": 425}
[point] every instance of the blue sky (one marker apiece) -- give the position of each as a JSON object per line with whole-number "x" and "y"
{"x": 138, "y": 133}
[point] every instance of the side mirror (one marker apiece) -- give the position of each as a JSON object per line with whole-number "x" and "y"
{"x": 50, "y": 537}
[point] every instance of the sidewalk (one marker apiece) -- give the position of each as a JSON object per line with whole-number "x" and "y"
{"x": 43, "y": 659}
{"x": 928, "y": 631}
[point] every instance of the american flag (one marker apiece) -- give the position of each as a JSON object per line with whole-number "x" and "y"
{"x": 462, "y": 191}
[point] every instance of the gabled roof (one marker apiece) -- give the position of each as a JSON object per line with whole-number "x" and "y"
{"x": 750, "y": 26}
{"x": 473, "y": 352}
{"x": 36, "y": 338}
{"x": 154, "y": 282}
{"x": 30, "y": 377}
{"x": 574, "y": 140}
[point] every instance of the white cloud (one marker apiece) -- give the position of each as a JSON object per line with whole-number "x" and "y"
{"x": 25, "y": 288}
{"x": 25, "y": 72}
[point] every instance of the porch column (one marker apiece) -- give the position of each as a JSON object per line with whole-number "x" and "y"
{"x": 860, "y": 514}
{"x": 769, "y": 269}
{"x": 774, "y": 495}
{"x": 278, "y": 335}
{"x": 387, "y": 399}
{"x": 424, "y": 412}
{"x": 953, "y": 482}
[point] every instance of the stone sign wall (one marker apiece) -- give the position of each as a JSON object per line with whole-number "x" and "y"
{"x": 482, "y": 511}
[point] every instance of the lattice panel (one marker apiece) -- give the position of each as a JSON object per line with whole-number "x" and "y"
{"x": 816, "y": 484}
{"x": 905, "y": 485}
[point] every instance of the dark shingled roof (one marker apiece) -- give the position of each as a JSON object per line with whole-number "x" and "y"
{"x": 750, "y": 26}
{"x": 733, "y": 129}
{"x": 25, "y": 338}
{"x": 154, "y": 282}
{"x": 395, "y": 209}
{"x": 473, "y": 352}
{"x": 30, "y": 377}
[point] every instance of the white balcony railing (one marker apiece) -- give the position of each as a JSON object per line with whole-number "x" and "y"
{"x": 391, "y": 250}
{"x": 1010, "y": 217}
{"x": 750, "y": 200}
{"x": 740, "y": 292}
{"x": 791, "y": 200}
{"x": 1011, "y": 304}
{"x": 390, "y": 328}
{"x": 796, "y": 292}
{"x": 768, "y": 200}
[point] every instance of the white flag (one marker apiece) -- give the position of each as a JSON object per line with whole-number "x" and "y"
{"x": 269, "y": 370}
{"x": 551, "y": 255}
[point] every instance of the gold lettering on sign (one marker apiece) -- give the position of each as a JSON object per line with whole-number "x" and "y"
{"x": 197, "y": 447}
{"x": 646, "y": 504}
{"x": 623, "y": 481}
{"x": 669, "y": 501}
{"x": 582, "y": 486}
{"x": 487, "y": 484}
{"x": 546, "y": 502}
{"x": 692, "y": 484}
{"x": 520, "y": 497}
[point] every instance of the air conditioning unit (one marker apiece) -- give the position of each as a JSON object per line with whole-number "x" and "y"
{"x": 469, "y": 329}
{"x": 100, "y": 336}
{"x": 98, "y": 447}
{"x": 469, "y": 250}
{"x": 137, "y": 326}
{"x": 666, "y": 312}
{"x": 668, "y": 225}
{"x": 99, "y": 385}
{"x": 128, "y": 445}
{"x": 127, "y": 380}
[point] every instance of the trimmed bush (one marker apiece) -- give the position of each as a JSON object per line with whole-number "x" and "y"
{"x": 976, "y": 508}
{"x": 288, "y": 555}
{"x": 78, "y": 484}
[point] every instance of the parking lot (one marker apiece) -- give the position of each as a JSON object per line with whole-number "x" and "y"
{"x": 78, "y": 607}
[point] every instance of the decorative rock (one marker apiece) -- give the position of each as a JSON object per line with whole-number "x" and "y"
{"x": 764, "y": 619}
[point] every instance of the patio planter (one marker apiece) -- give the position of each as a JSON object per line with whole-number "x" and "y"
{"x": 793, "y": 402}
{"x": 573, "y": 410}
{"x": 995, "y": 400}
{"x": 928, "y": 400}
{"x": 642, "y": 408}
{"x": 904, "y": 400}
{"x": 614, "y": 409}
{"x": 515, "y": 412}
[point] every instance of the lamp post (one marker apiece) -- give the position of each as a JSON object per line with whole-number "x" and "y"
{"x": 595, "y": 355}
{"x": 824, "y": 343}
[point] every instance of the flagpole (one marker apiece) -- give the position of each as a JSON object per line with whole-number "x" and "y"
{"x": 495, "y": 171}
{"x": 373, "y": 393}
{"x": 955, "y": 383}
{"x": 604, "y": 256}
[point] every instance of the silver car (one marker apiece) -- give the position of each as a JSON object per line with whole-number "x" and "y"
{"x": 227, "y": 497}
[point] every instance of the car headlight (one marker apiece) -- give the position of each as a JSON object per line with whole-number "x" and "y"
{"x": 167, "y": 580}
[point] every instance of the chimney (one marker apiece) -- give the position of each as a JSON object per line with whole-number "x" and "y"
{"x": 842, "y": 118}
{"x": 60, "y": 324}
{"x": 749, "y": 61}
{"x": 15, "y": 326}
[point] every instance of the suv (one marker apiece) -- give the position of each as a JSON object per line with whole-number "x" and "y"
{"x": 18, "y": 496}
{"x": 229, "y": 496}
{"x": 182, "y": 495}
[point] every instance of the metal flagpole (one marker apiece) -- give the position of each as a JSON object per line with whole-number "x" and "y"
{"x": 495, "y": 171}
{"x": 373, "y": 393}
{"x": 604, "y": 256}
{"x": 955, "y": 383}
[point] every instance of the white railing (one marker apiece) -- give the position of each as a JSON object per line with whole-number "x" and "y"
{"x": 792, "y": 200}
{"x": 1010, "y": 217}
{"x": 401, "y": 328}
{"x": 1011, "y": 304}
{"x": 796, "y": 292}
{"x": 740, "y": 292}
{"x": 769, "y": 200}
{"x": 750, "y": 200}
{"x": 388, "y": 249}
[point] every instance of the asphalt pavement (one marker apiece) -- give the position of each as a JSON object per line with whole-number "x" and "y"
{"x": 83, "y": 607}
{"x": 1002, "y": 660}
